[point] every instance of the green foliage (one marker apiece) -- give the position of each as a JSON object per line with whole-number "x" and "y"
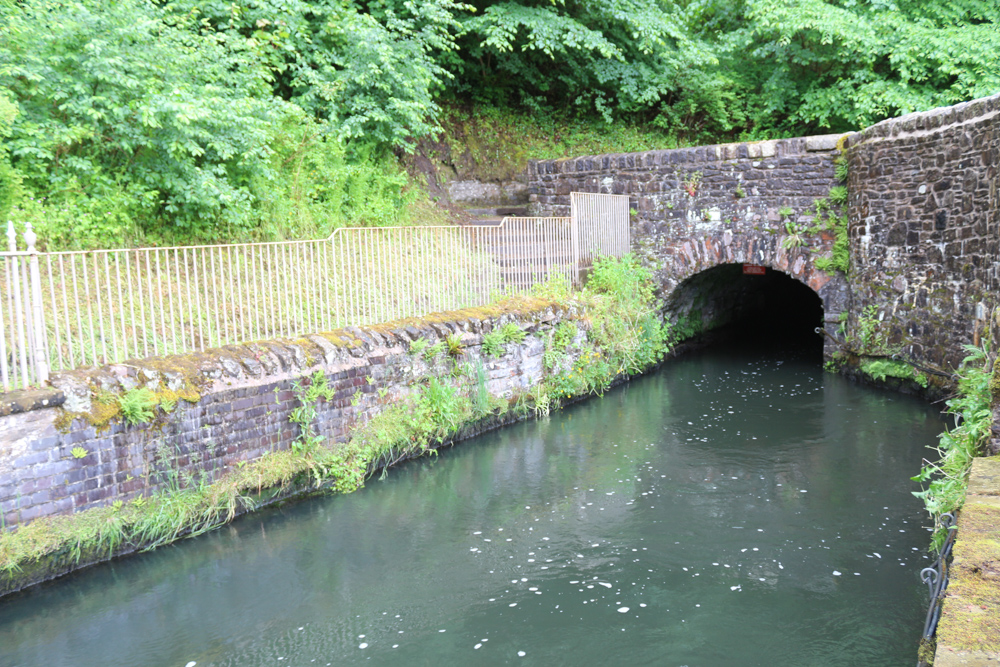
{"x": 10, "y": 180}
{"x": 138, "y": 406}
{"x": 840, "y": 257}
{"x": 418, "y": 346}
{"x": 493, "y": 343}
{"x": 512, "y": 333}
{"x": 815, "y": 64}
{"x": 444, "y": 406}
{"x": 880, "y": 369}
{"x": 948, "y": 476}
{"x": 691, "y": 183}
{"x": 838, "y": 195}
{"x": 370, "y": 68}
{"x": 616, "y": 58}
{"x": 625, "y": 322}
{"x": 870, "y": 332}
{"x": 116, "y": 102}
{"x": 79, "y": 452}
{"x": 316, "y": 183}
{"x": 556, "y": 344}
{"x": 795, "y": 236}
{"x": 308, "y": 392}
{"x": 563, "y": 336}
{"x": 481, "y": 403}
{"x": 841, "y": 167}
{"x": 434, "y": 351}
{"x": 141, "y": 122}
{"x": 556, "y": 288}
{"x": 454, "y": 344}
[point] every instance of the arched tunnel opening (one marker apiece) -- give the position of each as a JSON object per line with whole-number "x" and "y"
{"x": 725, "y": 304}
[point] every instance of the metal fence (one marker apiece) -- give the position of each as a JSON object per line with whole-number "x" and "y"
{"x": 65, "y": 310}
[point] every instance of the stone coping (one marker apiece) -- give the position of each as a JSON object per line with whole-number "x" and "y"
{"x": 969, "y": 631}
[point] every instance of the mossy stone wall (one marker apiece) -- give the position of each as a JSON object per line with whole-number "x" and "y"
{"x": 234, "y": 405}
{"x": 924, "y": 208}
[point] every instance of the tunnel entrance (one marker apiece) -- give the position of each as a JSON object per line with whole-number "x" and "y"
{"x": 768, "y": 309}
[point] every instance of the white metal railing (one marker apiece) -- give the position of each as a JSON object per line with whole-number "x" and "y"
{"x": 23, "y": 358}
{"x": 601, "y": 224}
{"x": 64, "y": 310}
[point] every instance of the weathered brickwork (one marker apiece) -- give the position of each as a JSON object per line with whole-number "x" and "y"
{"x": 925, "y": 228}
{"x": 698, "y": 208}
{"x": 246, "y": 399}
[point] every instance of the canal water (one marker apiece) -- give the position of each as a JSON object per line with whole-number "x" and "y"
{"x": 734, "y": 508}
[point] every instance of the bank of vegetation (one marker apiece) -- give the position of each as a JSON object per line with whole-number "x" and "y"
{"x": 947, "y": 477}
{"x": 176, "y": 121}
{"x": 615, "y": 334}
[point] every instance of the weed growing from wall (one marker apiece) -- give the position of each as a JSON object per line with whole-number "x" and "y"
{"x": 309, "y": 391}
{"x": 512, "y": 333}
{"x": 137, "y": 406}
{"x": 947, "y": 478}
{"x": 881, "y": 369}
{"x": 418, "y": 346}
{"x": 493, "y": 344}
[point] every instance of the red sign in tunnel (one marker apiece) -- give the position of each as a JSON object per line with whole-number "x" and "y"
{"x": 754, "y": 270}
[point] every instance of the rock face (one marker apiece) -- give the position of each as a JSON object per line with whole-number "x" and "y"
{"x": 925, "y": 228}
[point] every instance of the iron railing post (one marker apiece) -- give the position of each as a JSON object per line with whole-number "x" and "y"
{"x": 38, "y": 324}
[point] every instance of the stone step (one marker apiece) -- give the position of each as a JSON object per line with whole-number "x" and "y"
{"x": 499, "y": 212}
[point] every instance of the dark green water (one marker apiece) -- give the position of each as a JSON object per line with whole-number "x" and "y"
{"x": 732, "y": 509}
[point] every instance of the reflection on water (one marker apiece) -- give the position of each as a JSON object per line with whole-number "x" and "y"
{"x": 732, "y": 509}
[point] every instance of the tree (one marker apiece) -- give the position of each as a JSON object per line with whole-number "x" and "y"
{"x": 836, "y": 65}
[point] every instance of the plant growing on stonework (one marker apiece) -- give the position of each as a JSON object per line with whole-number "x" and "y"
{"x": 880, "y": 369}
{"x": 304, "y": 415}
{"x": 840, "y": 257}
{"x": 785, "y": 212}
{"x": 481, "y": 404}
{"x": 691, "y": 183}
{"x": 444, "y": 406}
{"x": 511, "y": 333}
{"x": 434, "y": 351}
{"x": 870, "y": 335}
{"x": 563, "y": 336}
{"x": 556, "y": 343}
{"x": 947, "y": 477}
{"x": 625, "y": 323}
{"x": 840, "y": 164}
{"x": 493, "y": 343}
{"x": 418, "y": 346}
{"x": 841, "y": 169}
{"x": 137, "y": 405}
{"x": 795, "y": 236}
{"x": 454, "y": 343}
{"x": 838, "y": 194}
{"x": 79, "y": 452}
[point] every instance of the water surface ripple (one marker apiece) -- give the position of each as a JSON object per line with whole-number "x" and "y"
{"x": 731, "y": 509}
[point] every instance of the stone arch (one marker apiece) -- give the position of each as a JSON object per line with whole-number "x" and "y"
{"x": 686, "y": 262}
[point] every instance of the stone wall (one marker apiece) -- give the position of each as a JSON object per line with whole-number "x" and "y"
{"x": 698, "y": 208}
{"x": 241, "y": 398}
{"x": 925, "y": 228}
{"x": 924, "y": 220}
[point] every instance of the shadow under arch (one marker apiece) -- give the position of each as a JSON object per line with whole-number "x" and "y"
{"x": 773, "y": 308}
